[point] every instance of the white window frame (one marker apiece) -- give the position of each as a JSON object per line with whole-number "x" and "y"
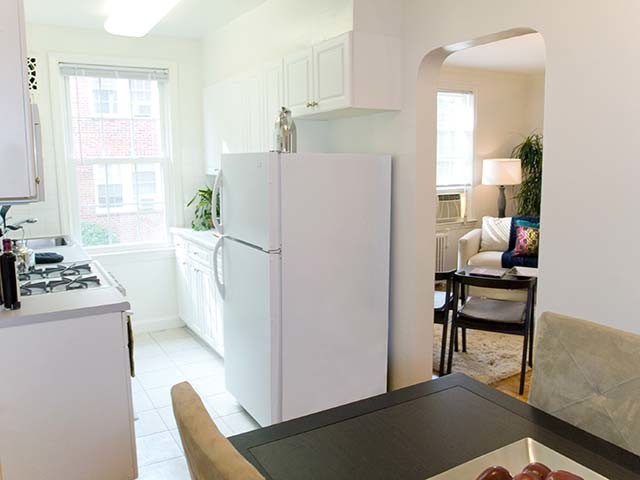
{"x": 462, "y": 188}
{"x": 66, "y": 173}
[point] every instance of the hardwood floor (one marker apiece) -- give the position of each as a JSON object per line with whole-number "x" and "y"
{"x": 511, "y": 385}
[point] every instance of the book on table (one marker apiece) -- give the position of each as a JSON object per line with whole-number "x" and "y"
{"x": 489, "y": 272}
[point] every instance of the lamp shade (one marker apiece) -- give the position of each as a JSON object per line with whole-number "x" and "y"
{"x": 502, "y": 171}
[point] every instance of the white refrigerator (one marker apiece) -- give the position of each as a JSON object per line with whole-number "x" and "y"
{"x": 304, "y": 276}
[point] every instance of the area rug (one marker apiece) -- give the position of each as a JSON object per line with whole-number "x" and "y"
{"x": 490, "y": 357}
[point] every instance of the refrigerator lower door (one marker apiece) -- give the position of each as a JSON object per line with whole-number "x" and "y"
{"x": 250, "y": 201}
{"x": 252, "y": 330}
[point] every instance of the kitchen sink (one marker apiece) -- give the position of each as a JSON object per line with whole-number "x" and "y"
{"x": 39, "y": 243}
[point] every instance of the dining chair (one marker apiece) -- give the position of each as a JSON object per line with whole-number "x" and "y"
{"x": 587, "y": 374}
{"x": 210, "y": 456}
{"x": 492, "y": 315}
{"x": 442, "y": 306}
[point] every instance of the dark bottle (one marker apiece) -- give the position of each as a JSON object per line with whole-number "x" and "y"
{"x": 9, "y": 277}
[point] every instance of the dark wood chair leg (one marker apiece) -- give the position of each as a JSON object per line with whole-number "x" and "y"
{"x": 531, "y": 336}
{"x": 454, "y": 331}
{"x": 523, "y": 371}
{"x": 464, "y": 340}
{"x": 443, "y": 348}
{"x": 454, "y": 334}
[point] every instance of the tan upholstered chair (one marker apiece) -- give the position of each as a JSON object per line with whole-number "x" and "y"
{"x": 210, "y": 455}
{"x": 589, "y": 375}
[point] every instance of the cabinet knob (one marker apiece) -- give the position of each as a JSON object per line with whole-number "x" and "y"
{"x": 38, "y": 180}
{"x": 314, "y": 104}
{"x": 309, "y": 104}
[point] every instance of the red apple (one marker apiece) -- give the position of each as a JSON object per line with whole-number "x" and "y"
{"x": 537, "y": 469}
{"x": 495, "y": 473}
{"x": 527, "y": 476}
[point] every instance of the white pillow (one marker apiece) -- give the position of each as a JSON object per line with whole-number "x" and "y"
{"x": 495, "y": 234}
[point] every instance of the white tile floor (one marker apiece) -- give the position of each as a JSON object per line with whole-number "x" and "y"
{"x": 163, "y": 359}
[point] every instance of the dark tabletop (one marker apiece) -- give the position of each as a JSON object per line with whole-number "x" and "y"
{"x": 418, "y": 432}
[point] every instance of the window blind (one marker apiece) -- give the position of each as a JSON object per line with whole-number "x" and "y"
{"x": 104, "y": 71}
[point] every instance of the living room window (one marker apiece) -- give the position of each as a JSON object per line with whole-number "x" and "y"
{"x": 117, "y": 145}
{"x": 455, "y": 145}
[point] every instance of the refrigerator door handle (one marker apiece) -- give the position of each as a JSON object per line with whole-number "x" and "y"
{"x": 214, "y": 200}
{"x": 216, "y": 271}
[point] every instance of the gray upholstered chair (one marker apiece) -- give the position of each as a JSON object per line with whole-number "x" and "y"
{"x": 589, "y": 375}
{"x": 210, "y": 456}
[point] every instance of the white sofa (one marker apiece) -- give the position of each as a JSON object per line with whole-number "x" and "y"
{"x": 469, "y": 254}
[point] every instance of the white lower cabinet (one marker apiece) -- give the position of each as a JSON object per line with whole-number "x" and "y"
{"x": 199, "y": 303}
{"x": 66, "y": 409}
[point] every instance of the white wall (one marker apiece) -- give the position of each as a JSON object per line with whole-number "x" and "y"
{"x": 509, "y": 106}
{"x": 587, "y": 154}
{"x": 156, "y": 301}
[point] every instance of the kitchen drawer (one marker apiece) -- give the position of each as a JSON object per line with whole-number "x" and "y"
{"x": 181, "y": 245}
{"x": 201, "y": 255}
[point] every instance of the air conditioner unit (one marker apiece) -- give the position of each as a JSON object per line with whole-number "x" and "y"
{"x": 450, "y": 207}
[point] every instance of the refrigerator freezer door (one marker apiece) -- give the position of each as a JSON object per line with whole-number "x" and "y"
{"x": 250, "y": 186}
{"x": 252, "y": 330}
{"x": 335, "y": 279}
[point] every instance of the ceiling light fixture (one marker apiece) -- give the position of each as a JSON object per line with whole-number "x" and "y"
{"x": 135, "y": 18}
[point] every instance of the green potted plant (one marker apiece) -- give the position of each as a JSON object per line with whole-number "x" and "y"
{"x": 203, "y": 199}
{"x": 530, "y": 193}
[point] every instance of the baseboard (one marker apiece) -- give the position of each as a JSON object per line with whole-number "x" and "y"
{"x": 142, "y": 325}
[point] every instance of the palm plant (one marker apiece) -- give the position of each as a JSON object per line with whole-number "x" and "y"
{"x": 202, "y": 217}
{"x": 530, "y": 193}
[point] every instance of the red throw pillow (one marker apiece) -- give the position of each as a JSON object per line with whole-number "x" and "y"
{"x": 527, "y": 241}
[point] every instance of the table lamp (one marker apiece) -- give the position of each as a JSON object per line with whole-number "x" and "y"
{"x": 502, "y": 172}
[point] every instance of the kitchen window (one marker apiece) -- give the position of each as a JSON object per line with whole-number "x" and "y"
{"x": 117, "y": 147}
{"x": 455, "y": 149}
{"x": 105, "y": 96}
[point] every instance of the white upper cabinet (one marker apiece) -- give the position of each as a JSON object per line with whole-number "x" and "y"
{"x": 273, "y": 100}
{"x": 332, "y": 74}
{"x": 353, "y": 74}
{"x": 213, "y": 100}
{"x": 20, "y": 146}
{"x": 298, "y": 81}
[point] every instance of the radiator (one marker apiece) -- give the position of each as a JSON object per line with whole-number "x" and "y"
{"x": 442, "y": 244}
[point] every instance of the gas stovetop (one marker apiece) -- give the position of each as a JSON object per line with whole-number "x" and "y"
{"x": 58, "y": 278}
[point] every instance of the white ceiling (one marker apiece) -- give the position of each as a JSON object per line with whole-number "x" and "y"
{"x": 524, "y": 54}
{"x": 190, "y": 18}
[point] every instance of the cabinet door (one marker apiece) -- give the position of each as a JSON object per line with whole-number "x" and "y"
{"x": 332, "y": 74}
{"x": 195, "y": 289}
{"x": 298, "y": 82}
{"x": 233, "y": 125}
{"x": 273, "y": 101}
{"x": 210, "y": 328}
{"x": 252, "y": 113}
{"x": 213, "y": 117}
{"x": 18, "y": 163}
{"x": 185, "y": 306}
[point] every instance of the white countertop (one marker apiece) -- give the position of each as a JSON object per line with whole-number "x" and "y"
{"x": 73, "y": 253}
{"x": 65, "y": 305}
{"x": 207, "y": 238}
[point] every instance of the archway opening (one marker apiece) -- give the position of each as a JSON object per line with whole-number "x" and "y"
{"x": 481, "y": 101}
